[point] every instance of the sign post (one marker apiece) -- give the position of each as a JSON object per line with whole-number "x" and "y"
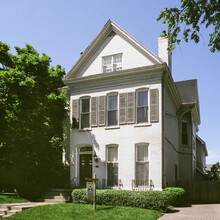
{"x": 91, "y": 190}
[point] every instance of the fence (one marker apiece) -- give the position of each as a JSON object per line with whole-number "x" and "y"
{"x": 201, "y": 191}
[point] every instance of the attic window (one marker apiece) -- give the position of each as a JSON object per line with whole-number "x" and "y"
{"x": 112, "y": 63}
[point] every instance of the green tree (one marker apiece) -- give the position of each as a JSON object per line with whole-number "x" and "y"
{"x": 214, "y": 172}
{"x": 31, "y": 113}
{"x": 193, "y": 14}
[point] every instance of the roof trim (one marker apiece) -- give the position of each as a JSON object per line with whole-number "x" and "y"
{"x": 203, "y": 144}
{"x": 108, "y": 27}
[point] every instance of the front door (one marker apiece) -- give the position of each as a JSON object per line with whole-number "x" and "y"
{"x": 85, "y": 168}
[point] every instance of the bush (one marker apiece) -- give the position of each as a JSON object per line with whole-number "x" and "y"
{"x": 155, "y": 200}
{"x": 176, "y": 195}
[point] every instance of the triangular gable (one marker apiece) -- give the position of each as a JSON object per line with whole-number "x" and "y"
{"x": 110, "y": 35}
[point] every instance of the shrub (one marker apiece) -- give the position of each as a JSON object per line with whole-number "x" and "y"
{"x": 155, "y": 200}
{"x": 176, "y": 195}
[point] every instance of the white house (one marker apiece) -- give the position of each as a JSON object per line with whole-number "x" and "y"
{"x": 131, "y": 124}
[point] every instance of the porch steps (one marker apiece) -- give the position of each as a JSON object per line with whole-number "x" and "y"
{"x": 56, "y": 196}
{"x": 7, "y": 210}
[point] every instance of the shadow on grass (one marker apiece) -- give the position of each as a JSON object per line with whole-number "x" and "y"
{"x": 104, "y": 208}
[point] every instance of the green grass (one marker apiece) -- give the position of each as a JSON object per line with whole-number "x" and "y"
{"x": 83, "y": 211}
{"x": 4, "y": 199}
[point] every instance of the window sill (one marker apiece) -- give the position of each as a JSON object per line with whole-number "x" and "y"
{"x": 184, "y": 145}
{"x": 86, "y": 129}
{"x": 143, "y": 125}
{"x": 112, "y": 127}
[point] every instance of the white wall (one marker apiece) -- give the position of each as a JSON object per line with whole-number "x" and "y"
{"x": 131, "y": 57}
{"x": 126, "y": 136}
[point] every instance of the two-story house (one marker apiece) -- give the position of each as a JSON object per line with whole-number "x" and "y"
{"x": 131, "y": 124}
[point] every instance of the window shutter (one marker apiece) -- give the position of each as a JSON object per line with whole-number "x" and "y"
{"x": 154, "y": 105}
{"x": 131, "y": 107}
{"x": 101, "y": 108}
{"x": 75, "y": 109}
{"x": 94, "y": 111}
{"x": 122, "y": 108}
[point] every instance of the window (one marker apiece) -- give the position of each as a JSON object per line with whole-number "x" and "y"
{"x": 112, "y": 166}
{"x": 184, "y": 133}
{"x": 112, "y": 110}
{"x": 142, "y": 106}
{"x": 112, "y": 63}
{"x": 85, "y": 113}
{"x": 142, "y": 165}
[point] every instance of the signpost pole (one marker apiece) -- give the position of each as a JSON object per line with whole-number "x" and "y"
{"x": 94, "y": 191}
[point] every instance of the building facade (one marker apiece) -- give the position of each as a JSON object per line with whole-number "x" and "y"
{"x": 131, "y": 124}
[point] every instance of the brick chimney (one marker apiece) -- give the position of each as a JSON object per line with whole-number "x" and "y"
{"x": 163, "y": 53}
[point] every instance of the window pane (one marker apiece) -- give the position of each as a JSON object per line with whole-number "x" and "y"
{"x": 142, "y": 153}
{"x": 184, "y": 127}
{"x": 142, "y": 174}
{"x": 112, "y": 154}
{"x": 85, "y": 105}
{"x": 85, "y": 121}
{"x": 118, "y": 58}
{"x": 112, "y": 118}
{"x": 142, "y": 98}
{"x": 142, "y": 114}
{"x": 107, "y": 60}
{"x": 112, "y": 102}
{"x": 112, "y": 176}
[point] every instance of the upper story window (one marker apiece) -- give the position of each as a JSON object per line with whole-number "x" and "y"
{"x": 112, "y": 110}
{"x": 112, "y": 63}
{"x": 184, "y": 133}
{"x": 142, "y": 106}
{"x": 85, "y": 113}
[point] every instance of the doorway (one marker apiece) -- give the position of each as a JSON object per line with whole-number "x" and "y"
{"x": 85, "y": 168}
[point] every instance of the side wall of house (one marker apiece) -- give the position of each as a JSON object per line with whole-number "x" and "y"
{"x": 125, "y": 136}
{"x": 171, "y": 142}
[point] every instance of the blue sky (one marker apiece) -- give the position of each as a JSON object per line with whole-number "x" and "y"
{"x": 64, "y": 28}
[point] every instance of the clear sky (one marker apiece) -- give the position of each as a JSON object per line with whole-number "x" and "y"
{"x": 64, "y": 28}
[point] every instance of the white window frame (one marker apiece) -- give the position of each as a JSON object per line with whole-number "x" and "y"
{"x": 80, "y": 112}
{"x": 117, "y": 110}
{"x": 145, "y": 162}
{"x": 107, "y": 162}
{"x": 148, "y": 106}
{"x": 113, "y": 66}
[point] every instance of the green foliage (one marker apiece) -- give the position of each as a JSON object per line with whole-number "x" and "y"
{"x": 155, "y": 200}
{"x": 4, "y": 199}
{"x": 31, "y": 113}
{"x": 193, "y": 14}
{"x": 85, "y": 212}
{"x": 214, "y": 172}
{"x": 176, "y": 195}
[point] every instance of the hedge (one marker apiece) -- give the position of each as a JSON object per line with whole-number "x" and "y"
{"x": 155, "y": 200}
{"x": 176, "y": 195}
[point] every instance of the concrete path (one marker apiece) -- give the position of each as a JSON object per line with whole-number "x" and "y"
{"x": 200, "y": 212}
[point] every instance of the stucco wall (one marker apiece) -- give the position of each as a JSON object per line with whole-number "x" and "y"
{"x": 131, "y": 57}
{"x": 125, "y": 136}
{"x": 171, "y": 155}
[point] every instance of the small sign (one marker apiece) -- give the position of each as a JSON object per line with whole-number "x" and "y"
{"x": 89, "y": 187}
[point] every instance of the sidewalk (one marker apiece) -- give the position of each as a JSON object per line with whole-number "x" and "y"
{"x": 200, "y": 212}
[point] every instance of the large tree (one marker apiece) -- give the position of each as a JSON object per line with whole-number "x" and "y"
{"x": 31, "y": 113}
{"x": 185, "y": 22}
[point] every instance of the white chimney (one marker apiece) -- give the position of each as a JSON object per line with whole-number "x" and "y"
{"x": 163, "y": 53}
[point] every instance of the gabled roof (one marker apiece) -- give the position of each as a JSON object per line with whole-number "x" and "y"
{"x": 108, "y": 28}
{"x": 188, "y": 91}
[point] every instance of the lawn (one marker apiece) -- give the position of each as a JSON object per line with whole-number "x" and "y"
{"x": 11, "y": 198}
{"x": 83, "y": 211}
